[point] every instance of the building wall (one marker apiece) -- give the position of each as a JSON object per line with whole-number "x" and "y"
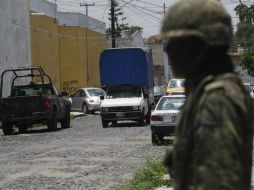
{"x": 45, "y": 46}
{"x": 80, "y": 57}
{"x": 14, "y": 36}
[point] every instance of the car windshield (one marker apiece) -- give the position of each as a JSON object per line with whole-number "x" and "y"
{"x": 124, "y": 92}
{"x": 31, "y": 90}
{"x": 170, "y": 103}
{"x": 176, "y": 83}
{"x": 95, "y": 92}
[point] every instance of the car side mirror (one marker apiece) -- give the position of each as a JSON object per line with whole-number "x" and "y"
{"x": 64, "y": 93}
{"x": 101, "y": 97}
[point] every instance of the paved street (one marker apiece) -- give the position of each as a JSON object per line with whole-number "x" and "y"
{"x": 85, "y": 156}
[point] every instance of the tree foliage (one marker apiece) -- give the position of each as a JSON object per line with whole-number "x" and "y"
{"x": 244, "y": 36}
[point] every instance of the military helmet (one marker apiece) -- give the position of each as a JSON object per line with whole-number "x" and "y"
{"x": 206, "y": 19}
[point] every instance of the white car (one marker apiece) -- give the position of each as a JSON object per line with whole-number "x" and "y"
{"x": 249, "y": 89}
{"x": 86, "y": 99}
{"x": 163, "y": 118}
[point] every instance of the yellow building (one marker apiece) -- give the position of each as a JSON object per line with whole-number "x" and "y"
{"x": 45, "y": 46}
{"x": 67, "y": 46}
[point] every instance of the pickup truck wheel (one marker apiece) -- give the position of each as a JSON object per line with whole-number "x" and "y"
{"x": 84, "y": 109}
{"x": 65, "y": 122}
{"x": 22, "y": 128}
{"x": 104, "y": 123}
{"x": 114, "y": 123}
{"x": 52, "y": 123}
{"x": 7, "y": 128}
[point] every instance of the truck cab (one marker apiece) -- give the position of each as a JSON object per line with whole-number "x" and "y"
{"x": 125, "y": 102}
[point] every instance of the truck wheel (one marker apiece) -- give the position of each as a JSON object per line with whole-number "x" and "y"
{"x": 148, "y": 116}
{"x": 22, "y": 128}
{"x": 65, "y": 122}
{"x": 141, "y": 120}
{"x": 84, "y": 109}
{"x": 104, "y": 123}
{"x": 7, "y": 128}
{"x": 52, "y": 123}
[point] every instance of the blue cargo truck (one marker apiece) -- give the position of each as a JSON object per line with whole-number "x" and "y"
{"x": 126, "y": 74}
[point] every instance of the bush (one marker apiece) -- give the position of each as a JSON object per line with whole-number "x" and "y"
{"x": 147, "y": 177}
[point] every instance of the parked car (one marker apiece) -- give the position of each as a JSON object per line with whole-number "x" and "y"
{"x": 163, "y": 118}
{"x": 249, "y": 89}
{"x": 32, "y": 103}
{"x": 175, "y": 86}
{"x": 87, "y": 99}
{"x": 158, "y": 91}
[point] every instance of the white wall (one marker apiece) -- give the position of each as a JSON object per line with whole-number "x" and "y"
{"x": 15, "y": 45}
{"x": 67, "y": 18}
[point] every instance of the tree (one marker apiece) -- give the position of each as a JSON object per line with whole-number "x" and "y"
{"x": 244, "y": 36}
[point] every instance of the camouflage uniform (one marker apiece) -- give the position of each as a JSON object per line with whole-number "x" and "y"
{"x": 213, "y": 147}
{"x": 214, "y": 132}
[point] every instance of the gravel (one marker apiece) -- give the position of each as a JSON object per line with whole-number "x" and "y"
{"x": 85, "y": 156}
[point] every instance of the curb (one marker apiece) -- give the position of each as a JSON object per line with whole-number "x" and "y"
{"x": 77, "y": 114}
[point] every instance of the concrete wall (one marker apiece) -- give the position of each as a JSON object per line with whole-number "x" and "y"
{"x": 45, "y": 46}
{"x": 80, "y": 57}
{"x": 14, "y": 36}
{"x": 67, "y": 45}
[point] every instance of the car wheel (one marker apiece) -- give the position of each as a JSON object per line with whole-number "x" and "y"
{"x": 7, "y": 128}
{"x": 52, "y": 123}
{"x": 65, "y": 122}
{"x": 157, "y": 139}
{"x": 104, "y": 123}
{"x": 84, "y": 109}
{"x": 22, "y": 128}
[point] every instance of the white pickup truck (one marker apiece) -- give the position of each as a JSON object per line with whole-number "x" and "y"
{"x": 125, "y": 103}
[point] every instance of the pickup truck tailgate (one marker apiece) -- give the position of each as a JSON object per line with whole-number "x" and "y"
{"x": 21, "y": 105}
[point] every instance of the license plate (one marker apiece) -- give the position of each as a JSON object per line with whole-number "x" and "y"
{"x": 119, "y": 114}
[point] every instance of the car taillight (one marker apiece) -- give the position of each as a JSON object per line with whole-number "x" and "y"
{"x": 46, "y": 103}
{"x": 91, "y": 100}
{"x": 156, "y": 118}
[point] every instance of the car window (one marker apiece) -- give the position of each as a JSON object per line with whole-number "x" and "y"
{"x": 31, "y": 90}
{"x": 169, "y": 103}
{"x": 82, "y": 93}
{"x": 95, "y": 92}
{"x": 77, "y": 94}
{"x": 124, "y": 92}
{"x": 176, "y": 83}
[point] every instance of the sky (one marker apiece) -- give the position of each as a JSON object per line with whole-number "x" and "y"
{"x": 147, "y": 14}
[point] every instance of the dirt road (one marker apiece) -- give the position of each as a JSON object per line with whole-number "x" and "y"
{"x": 85, "y": 156}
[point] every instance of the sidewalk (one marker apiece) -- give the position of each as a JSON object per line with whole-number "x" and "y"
{"x": 77, "y": 114}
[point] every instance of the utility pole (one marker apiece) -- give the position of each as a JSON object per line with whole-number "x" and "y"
{"x": 167, "y": 68}
{"x": 86, "y": 5}
{"x": 113, "y": 29}
{"x": 86, "y": 45}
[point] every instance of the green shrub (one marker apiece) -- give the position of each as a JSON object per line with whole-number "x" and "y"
{"x": 147, "y": 177}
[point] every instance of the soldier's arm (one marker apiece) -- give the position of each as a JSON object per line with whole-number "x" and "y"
{"x": 216, "y": 160}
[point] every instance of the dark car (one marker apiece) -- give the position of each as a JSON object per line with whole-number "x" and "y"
{"x": 33, "y": 102}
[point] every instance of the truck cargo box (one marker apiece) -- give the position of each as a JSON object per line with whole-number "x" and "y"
{"x": 127, "y": 66}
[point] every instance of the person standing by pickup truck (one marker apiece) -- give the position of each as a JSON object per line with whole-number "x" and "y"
{"x": 214, "y": 134}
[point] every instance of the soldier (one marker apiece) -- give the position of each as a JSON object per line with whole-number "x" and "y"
{"x": 214, "y": 133}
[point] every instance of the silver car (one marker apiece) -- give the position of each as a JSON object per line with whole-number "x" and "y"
{"x": 86, "y": 100}
{"x": 163, "y": 118}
